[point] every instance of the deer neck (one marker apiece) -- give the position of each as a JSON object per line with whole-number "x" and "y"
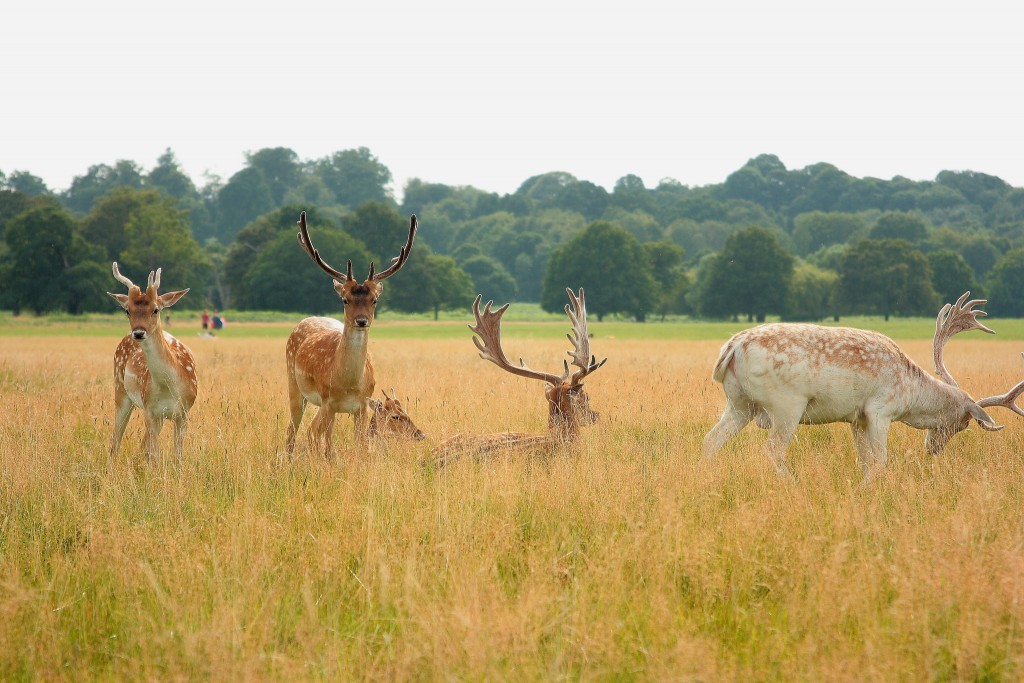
{"x": 933, "y": 403}
{"x": 159, "y": 359}
{"x": 350, "y": 360}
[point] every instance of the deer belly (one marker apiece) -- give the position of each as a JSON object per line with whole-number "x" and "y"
{"x": 829, "y": 408}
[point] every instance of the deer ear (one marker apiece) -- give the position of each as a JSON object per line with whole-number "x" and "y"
{"x": 171, "y": 298}
{"x": 121, "y": 299}
{"x": 983, "y": 418}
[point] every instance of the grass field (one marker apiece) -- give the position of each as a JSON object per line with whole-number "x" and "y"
{"x": 631, "y": 558}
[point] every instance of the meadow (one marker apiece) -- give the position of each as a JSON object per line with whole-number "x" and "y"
{"x": 629, "y": 558}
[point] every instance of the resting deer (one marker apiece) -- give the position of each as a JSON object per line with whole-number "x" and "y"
{"x": 153, "y": 371}
{"x": 568, "y": 403}
{"x": 328, "y": 362}
{"x": 388, "y": 418}
{"x": 784, "y": 374}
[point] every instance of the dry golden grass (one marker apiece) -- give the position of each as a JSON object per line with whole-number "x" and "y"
{"x": 631, "y": 558}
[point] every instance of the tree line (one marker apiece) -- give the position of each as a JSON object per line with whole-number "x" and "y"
{"x": 804, "y": 244}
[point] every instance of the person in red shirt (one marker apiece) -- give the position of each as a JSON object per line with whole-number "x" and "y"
{"x": 206, "y": 321}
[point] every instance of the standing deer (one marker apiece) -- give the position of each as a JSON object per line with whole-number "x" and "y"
{"x": 388, "y": 418}
{"x": 784, "y": 374}
{"x": 568, "y": 403}
{"x": 153, "y": 371}
{"x": 328, "y": 362}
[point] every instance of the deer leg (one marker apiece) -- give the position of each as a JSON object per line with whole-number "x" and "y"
{"x": 329, "y": 436}
{"x": 732, "y": 421}
{"x": 785, "y": 420}
{"x": 321, "y": 423}
{"x": 154, "y": 424}
{"x": 870, "y": 435}
{"x": 359, "y": 422}
{"x": 180, "y": 426}
{"x": 296, "y": 407}
{"x": 122, "y": 411}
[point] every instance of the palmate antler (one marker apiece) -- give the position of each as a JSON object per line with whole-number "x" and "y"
{"x": 396, "y": 263}
{"x": 1007, "y": 400}
{"x": 953, "y": 319}
{"x": 488, "y": 341}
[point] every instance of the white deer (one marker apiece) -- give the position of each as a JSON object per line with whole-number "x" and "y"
{"x": 785, "y": 374}
{"x": 153, "y": 371}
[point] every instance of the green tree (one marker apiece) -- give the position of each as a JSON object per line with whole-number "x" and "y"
{"x": 245, "y": 197}
{"x": 98, "y": 181}
{"x": 490, "y": 278}
{"x": 158, "y": 236}
{"x": 665, "y": 260}
{"x": 381, "y": 228}
{"x": 48, "y": 265}
{"x": 811, "y": 293}
{"x": 818, "y": 229}
{"x": 751, "y": 275}
{"x": 900, "y": 225}
{"x": 283, "y": 278}
{"x": 105, "y": 225}
{"x": 168, "y": 177}
{"x": 355, "y": 176}
{"x": 1006, "y": 285}
{"x": 951, "y": 275}
{"x": 610, "y": 265}
{"x": 889, "y": 277}
{"x": 23, "y": 181}
{"x": 280, "y": 169}
{"x": 429, "y": 282}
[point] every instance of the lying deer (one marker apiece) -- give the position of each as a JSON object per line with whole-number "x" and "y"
{"x": 388, "y": 418}
{"x": 784, "y": 374}
{"x": 153, "y": 371}
{"x": 568, "y": 403}
{"x": 328, "y": 362}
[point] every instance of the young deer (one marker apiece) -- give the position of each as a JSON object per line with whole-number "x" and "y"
{"x": 153, "y": 371}
{"x": 568, "y": 403}
{"x": 328, "y": 362}
{"x": 781, "y": 375}
{"x": 388, "y": 418}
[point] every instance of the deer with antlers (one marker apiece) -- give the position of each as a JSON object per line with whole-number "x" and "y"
{"x": 785, "y": 374}
{"x": 328, "y": 361}
{"x": 153, "y": 371}
{"x": 568, "y": 403}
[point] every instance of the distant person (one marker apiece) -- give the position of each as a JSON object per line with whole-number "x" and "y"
{"x": 205, "y": 317}
{"x": 218, "y": 322}
{"x": 167, "y": 319}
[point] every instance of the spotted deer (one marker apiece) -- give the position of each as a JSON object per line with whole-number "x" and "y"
{"x": 785, "y": 374}
{"x": 389, "y": 418}
{"x": 328, "y": 361}
{"x": 568, "y": 403}
{"x": 153, "y": 371}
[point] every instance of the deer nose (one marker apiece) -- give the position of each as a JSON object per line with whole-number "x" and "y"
{"x": 362, "y": 322}
{"x": 139, "y": 334}
{"x": 419, "y": 435}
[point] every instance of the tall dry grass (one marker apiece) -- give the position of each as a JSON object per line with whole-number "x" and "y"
{"x": 631, "y": 558}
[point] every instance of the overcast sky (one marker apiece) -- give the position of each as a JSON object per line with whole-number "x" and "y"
{"x": 475, "y": 93}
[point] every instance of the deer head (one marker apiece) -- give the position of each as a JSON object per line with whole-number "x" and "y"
{"x": 359, "y": 298}
{"x": 143, "y": 308}
{"x": 953, "y": 319}
{"x": 568, "y": 403}
{"x": 390, "y": 419}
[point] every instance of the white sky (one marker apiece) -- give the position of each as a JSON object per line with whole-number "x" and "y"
{"x": 482, "y": 94}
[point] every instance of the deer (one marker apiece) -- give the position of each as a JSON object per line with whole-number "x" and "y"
{"x": 568, "y": 403}
{"x": 328, "y": 362}
{"x": 389, "y": 418}
{"x": 784, "y": 374}
{"x": 153, "y": 371}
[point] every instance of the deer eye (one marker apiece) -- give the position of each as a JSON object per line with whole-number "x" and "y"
{"x": 155, "y": 311}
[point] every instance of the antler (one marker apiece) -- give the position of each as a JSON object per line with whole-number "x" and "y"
{"x": 154, "y": 279}
{"x": 953, "y": 319}
{"x": 580, "y": 339}
{"x": 307, "y": 244}
{"x": 403, "y": 255}
{"x": 1007, "y": 400}
{"x": 488, "y": 341}
{"x": 122, "y": 279}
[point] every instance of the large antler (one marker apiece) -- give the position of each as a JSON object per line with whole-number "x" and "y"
{"x": 307, "y": 244}
{"x": 1007, "y": 400}
{"x": 488, "y": 341}
{"x": 580, "y": 339}
{"x": 953, "y": 319}
{"x": 403, "y": 255}
{"x": 121, "y": 278}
